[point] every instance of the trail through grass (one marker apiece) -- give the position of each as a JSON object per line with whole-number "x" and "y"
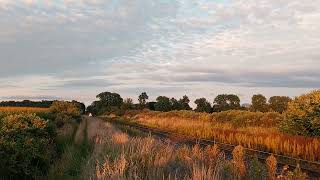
{"x": 75, "y": 151}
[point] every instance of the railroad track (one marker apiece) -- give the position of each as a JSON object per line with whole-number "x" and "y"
{"x": 311, "y": 167}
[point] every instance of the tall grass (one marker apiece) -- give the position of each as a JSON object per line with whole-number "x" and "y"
{"x": 202, "y": 125}
{"x": 116, "y": 156}
{"x": 75, "y": 149}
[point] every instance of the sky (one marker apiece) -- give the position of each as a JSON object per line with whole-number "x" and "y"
{"x": 75, "y": 49}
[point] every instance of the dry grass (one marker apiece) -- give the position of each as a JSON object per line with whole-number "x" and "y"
{"x": 266, "y": 139}
{"x": 117, "y": 156}
{"x": 23, "y": 109}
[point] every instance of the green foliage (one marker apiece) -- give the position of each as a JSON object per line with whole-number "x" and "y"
{"x": 68, "y": 108}
{"x": 303, "y": 115}
{"x": 257, "y": 171}
{"x": 184, "y": 103}
{"x": 279, "y": 103}
{"x": 203, "y": 105}
{"x": 239, "y": 118}
{"x": 175, "y": 104}
{"x": 163, "y": 104}
{"x": 127, "y": 105}
{"x": 26, "y": 103}
{"x": 110, "y": 99}
{"x": 107, "y": 103}
{"x": 26, "y": 146}
{"x": 143, "y": 97}
{"x": 259, "y": 103}
{"x": 224, "y": 102}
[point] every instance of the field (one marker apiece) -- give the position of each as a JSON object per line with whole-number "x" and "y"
{"x": 14, "y": 110}
{"x": 266, "y": 137}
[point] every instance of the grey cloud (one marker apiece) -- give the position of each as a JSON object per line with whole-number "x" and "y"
{"x": 87, "y": 83}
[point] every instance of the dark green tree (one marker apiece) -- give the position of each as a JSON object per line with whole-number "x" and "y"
{"x": 259, "y": 103}
{"x": 110, "y": 99}
{"x": 163, "y": 104}
{"x": 143, "y": 97}
{"x": 175, "y": 104}
{"x": 108, "y": 103}
{"x": 184, "y": 103}
{"x": 224, "y": 102}
{"x": 279, "y": 103}
{"x": 203, "y": 105}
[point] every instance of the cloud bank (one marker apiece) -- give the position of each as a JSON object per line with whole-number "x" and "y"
{"x": 75, "y": 49}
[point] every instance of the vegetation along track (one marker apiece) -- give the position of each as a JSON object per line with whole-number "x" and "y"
{"x": 311, "y": 167}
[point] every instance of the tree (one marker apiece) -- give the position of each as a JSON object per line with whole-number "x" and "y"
{"x": 203, "y": 105}
{"x": 81, "y": 106}
{"x": 151, "y": 106}
{"x": 143, "y": 99}
{"x": 184, "y": 103}
{"x": 259, "y": 103}
{"x": 127, "y": 104}
{"x": 108, "y": 103}
{"x": 279, "y": 103}
{"x": 68, "y": 108}
{"x": 224, "y": 102}
{"x": 175, "y": 104}
{"x": 163, "y": 104}
{"x": 110, "y": 99}
{"x": 303, "y": 115}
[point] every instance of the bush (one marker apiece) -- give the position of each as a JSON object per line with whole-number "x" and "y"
{"x": 240, "y": 118}
{"x": 303, "y": 115}
{"x": 26, "y": 146}
{"x": 68, "y": 108}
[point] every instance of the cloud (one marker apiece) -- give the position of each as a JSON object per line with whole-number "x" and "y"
{"x": 50, "y": 47}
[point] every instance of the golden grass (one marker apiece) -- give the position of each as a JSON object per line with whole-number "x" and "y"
{"x": 23, "y": 109}
{"x": 261, "y": 138}
{"x": 134, "y": 158}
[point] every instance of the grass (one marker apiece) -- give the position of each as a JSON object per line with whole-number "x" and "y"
{"x": 116, "y": 155}
{"x": 23, "y": 109}
{"x": 75, "y": 149}
{"x": 256, "y": 137}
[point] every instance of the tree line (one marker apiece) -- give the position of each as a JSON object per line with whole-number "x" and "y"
{"x": 113, "y": 102}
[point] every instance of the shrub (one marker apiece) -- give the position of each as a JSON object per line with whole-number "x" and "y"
{"x": 26, "y": 146}
{"x": 303, "y": 115}
{"x": 68, "y": 108}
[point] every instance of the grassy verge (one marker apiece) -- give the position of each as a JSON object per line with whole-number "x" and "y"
{"x": 73, "y": 156}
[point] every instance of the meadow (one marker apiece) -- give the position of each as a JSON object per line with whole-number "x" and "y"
{"x": 257, "y": 131}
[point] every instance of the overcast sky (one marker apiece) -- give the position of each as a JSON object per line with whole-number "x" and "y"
{"x": 74, "y": 49}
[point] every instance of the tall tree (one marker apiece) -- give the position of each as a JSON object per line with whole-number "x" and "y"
{"x": 203, "y": 105}
{"x": 259, "y": 103}
{"x": 110, "y": 99}
{"x": 143, "y": 97}
{"x": 175, "y": 104}
{"x": 184, "y": 103}
{"x": 279, "y": 103}
{"x": 163, "y": 104}
{"x": 224, "y": 102}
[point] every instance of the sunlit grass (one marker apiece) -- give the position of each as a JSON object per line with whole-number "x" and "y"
{"x": 256, "y": 137}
